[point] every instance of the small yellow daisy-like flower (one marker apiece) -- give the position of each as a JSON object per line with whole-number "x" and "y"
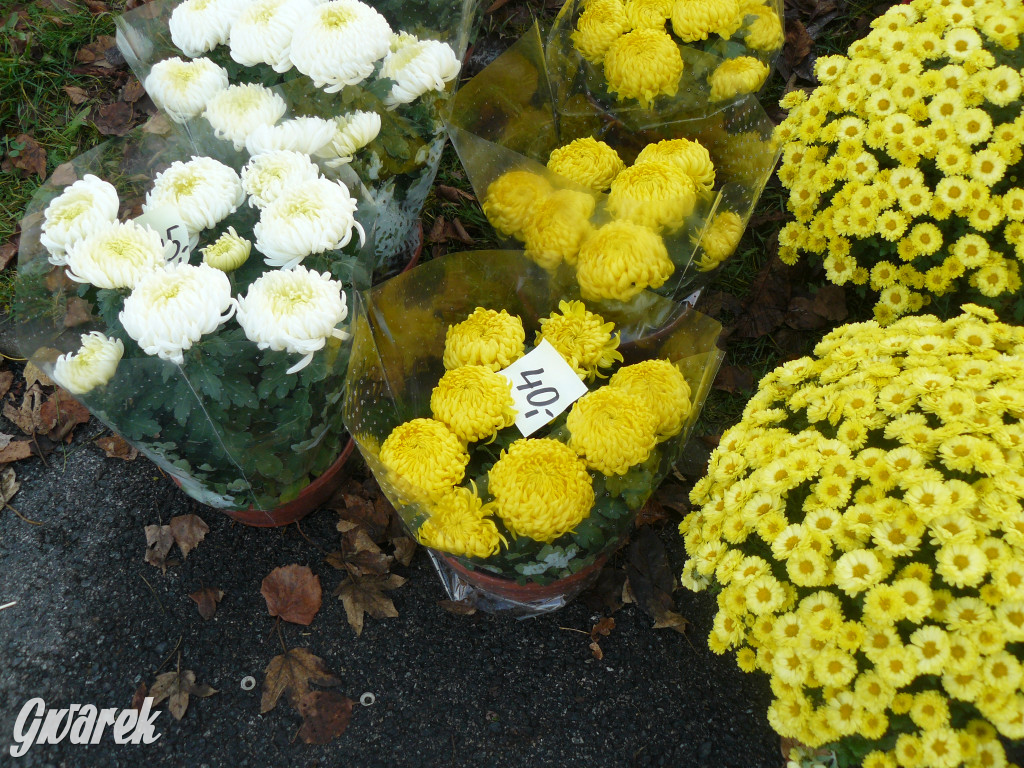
{"x": 689, "y": 154}
{"x": 662, "y": 389}
{"x": 425, "y": 454}
{"x": 656, "y": 194}
{"x": 588, "y": 162}
{"x": 474, "y": 401}
{"x": 512, "y": 198}
{"x": 583, "y": 338}
{"x": 620, "y": 260}
{"x": 557, "y": 228}
{"x": 458, "y": 525}
{"x": 720, "y": 240}
{"x": 600, "y": 25}
{"x": 735, "y": 77}
{"x": 643, "y": 65}
{"x": 541, "y": 489}
{"x": 611, "y": 431}
{"x": 486, "y": 337}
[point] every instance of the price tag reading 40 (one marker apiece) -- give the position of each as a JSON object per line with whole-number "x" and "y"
{"x": 172, "y": 231}
{"x": 543, "y": 385}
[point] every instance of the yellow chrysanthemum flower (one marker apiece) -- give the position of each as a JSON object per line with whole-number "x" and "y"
{"x": 643, "y": 65}
{"x": 487, "y": 337}
{"x": 600, "y": 25}
{"x": 656, "y": 194}
{"x": 541, "y": 489}
{"x": 459, "y": 526}
{"x": 474, "y": 402}
{"x": 620, "y": 260}
{"x": 720, "y": 240}
{"x": 764, "y": 33}
{"x": 611, "y": 431}
{"x": 588, "y": 162}
{"x": 735, "y": 77}
{"x": 426, "y": 455}
{"x": 557, "y": 228}
{"x": 662, "y": 389}
{"x": 583, "y": 338}
{"x": 689, "y": 154}
{"x": 512, "y": 198}
{"x": 648, "y": 14}
{"x": 694, "y": 20}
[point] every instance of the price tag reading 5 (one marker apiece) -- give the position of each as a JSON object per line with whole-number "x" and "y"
{"x": 172, "y": 232}
{"x": 543, "y": 385}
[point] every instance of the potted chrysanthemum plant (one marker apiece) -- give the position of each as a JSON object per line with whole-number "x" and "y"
{"x": 862, "y": 531}
{"x": 199, "y": 312}
{"x": 619, "y": 217}
{"x": 517, "y": 434}
{"x": 904, "y": 166}
{"x": 661, "y": 59}
{"x": 336, "y": 80}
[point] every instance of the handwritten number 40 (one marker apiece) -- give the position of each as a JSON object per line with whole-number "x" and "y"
{"x": 538, "y": 397}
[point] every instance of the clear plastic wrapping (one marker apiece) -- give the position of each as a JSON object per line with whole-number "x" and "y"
{"x": 508, "y": 120}
{"x": 237, "y": 425}
{"x": 398, "y": 359}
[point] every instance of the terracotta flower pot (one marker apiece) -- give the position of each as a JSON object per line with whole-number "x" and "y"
{"x": 508, "y": 589}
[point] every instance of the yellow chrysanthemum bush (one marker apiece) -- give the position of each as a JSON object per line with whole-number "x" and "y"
{"x": 862, "y": 530}
{"x": 664, "y": 55}
{"x": 515, "y": 465}
{"x": 904, "y": 166}
{"x": 621, "y": 211}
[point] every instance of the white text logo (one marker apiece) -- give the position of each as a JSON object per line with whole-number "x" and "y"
{"x": 81, "y": 725}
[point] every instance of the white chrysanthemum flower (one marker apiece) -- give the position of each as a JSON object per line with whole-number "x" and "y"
{"x": 417, "y": 68}
{"x": 93, "y": 365}
{"x": 117, "y": 255}
{"x": 81, "y": 209}
{"x": 262, "y": 33}
{"x": 306, "y": 218}
{"x": 341, "y": 41}
{"x": 198, "y": 26}
{"x": 239, "y": 109}
{"x": 352, "y": 133}
{"x": 293, "y": 311}
{"x": 300, "y": 134}
{"x": 170, "y": 309}
{"x": 228, "y": 252}
{"x": 182, "y": 89}
{"x": 201, "y": 192}
{"x": 265, "y": 176}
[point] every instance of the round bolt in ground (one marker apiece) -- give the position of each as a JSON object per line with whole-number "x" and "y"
{"x": 248, "y": 683}
{"x": 367, "y": 699}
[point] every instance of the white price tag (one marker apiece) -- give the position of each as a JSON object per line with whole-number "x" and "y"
{"x": 543, "y": 385}
{"x": 172, "y": 231}
{"x": 691, "y": 300}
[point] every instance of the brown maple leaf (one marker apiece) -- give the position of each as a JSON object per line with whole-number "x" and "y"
{"x": 159, "y": 540}
{"x": 29, "y": 159}
{"x": 293, "y": 672}
{"x": 359, "y": 554}
{"x": 188, "y": 531}
{"x": 116, "y": 447}
{"x": 26, "y": 416}
{"x": 293, "y": 592}
{"x": 176, "y": 687}
{"x": 206, "y": 599}
{"x": 60, "y": 414}
{"x": 325, "y": 716}
{"x": 365, "y": 594}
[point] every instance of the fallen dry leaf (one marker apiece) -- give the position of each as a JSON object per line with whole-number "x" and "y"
{"x": 139, "y": 697}
{"x": 16, "y": 450}
{"x": 6, "y": 379}
{"x": 159, "y": 540}
{"x": 362, "y": 595}
{"x": 453, "y": 194}
{"x": 60, "y": 414}
{"x": 133, "y": 91}
{"x": 651, "y": 580}
{"x": 325, "y": 716}
{"x": 606, "y": 594}
{"x": 374, "y": 517}
{"x": 9, "y": 486}
{"x": 30, "y": 159}
{"x": 33, "y": 373}
{"x": 458, "y": 607}
{"x": 7, "y": 252}
{"x": 112, "y": 119}
{"x": 206, "y": 599}
{"x": 736, "y": 379}
{"x": 64, "y": 175}
{"x": 116, "y": 447}
{"x": 95, "y": 53}
{"x": 176, "y": 687}
{"x": 293, "y": 672}
{"x": 405, "y": 548}
{"x": 79, "y": 312}
{"x": 293, "y": 592}
{"x": 603, "y": 628}
{"x": 76, "y": 94}
{"x": 359, "y": 553}
{"x": 26, "y": 417}
{"x": 651, "y": 513}
{"x": 188, "y": 531}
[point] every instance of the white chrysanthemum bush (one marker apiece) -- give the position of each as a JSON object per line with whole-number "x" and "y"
{"x": 199, "y": 310}
{"x": 434, "y": 416}
{"x": 360, "y": 85}
{"x": 862, "y": 530}
{"x": 620, "y": 216}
